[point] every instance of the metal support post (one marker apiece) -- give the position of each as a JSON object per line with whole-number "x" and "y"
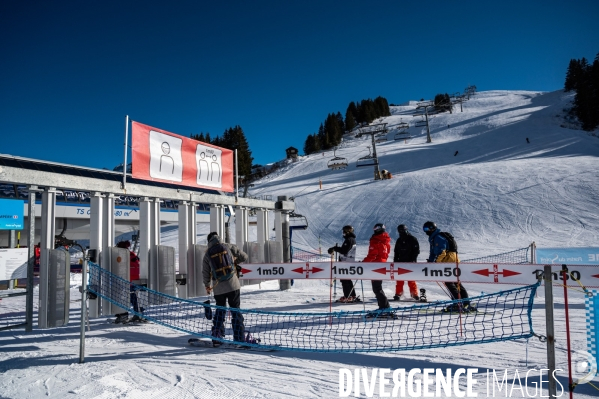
{"x": 83, "y": 308}
{"x": 262, "y": 225}
{"x": 149, "y": 238}
{"x": 187, "y": 238}
{"x": 96, "y": 216}
{"x": 428, "y": 130}
{"x": 46, "y": 245}
{"x": 217, "y": 219}
{"x": 30, "y": 258}
{"x": 241, "y": 226}
{"x": 107, "y": 243}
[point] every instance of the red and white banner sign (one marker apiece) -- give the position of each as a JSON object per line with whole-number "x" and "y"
{"x": 164, "y": 156}
{"x": 467, "y": 272}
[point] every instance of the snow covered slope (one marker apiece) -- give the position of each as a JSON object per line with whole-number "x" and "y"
{"x": 497, "y": 194}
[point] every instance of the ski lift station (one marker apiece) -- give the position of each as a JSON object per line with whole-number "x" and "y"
{"x": 98, "y": 205}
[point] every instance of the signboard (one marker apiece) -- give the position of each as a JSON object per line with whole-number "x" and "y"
{"x": 11, "y": 214}
{"x": 13, "y": 263}
{"x": 449, "y": 272}
{"x": 164, "y": 156}
{"x": 568, "y": 256}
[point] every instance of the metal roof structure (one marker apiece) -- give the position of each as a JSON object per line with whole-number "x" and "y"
{"x": 32, "y": 172}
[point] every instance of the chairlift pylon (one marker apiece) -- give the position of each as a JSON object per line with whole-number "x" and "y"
{"x": 368, "y": 160}
{"x": 337, "y": 162}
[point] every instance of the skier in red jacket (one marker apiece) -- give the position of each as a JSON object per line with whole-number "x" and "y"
{"x": 378, "y": 251}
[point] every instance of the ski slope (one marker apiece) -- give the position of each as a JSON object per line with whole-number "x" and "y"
{"x": 498, "y": 194}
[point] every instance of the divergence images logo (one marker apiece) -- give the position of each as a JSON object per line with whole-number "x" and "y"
{"x": 584, "y": 367}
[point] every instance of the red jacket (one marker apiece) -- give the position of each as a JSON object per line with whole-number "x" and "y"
{"x": 379, "y": 249}
{"x": 133, "y": 266}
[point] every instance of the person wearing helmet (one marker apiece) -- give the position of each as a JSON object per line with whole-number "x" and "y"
{"x": 407, "y": 249}
{"x": 378, "y": 251}
{"x": 347, "y": 253}
{"x": 441, "y": 252}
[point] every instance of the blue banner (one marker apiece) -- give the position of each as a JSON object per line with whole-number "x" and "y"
{"x": 11, "y": 214}
{"x": 568, "y": 256}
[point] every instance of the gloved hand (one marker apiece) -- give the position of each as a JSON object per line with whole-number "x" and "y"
{"x": 331, "y": 250}
{"x": 208, "y": 290}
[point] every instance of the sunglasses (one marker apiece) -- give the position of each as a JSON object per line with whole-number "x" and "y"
{"x": 427, "y": 229}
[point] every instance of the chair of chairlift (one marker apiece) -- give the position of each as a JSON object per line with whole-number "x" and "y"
{"x": 367, "y": 160}
{"x": 297, "y": 221}
{"x": 402, "y": 135}
{"x": 337, "y": 162}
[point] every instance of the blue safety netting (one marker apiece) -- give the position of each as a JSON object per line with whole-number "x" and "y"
{"x": 502, "y": 316}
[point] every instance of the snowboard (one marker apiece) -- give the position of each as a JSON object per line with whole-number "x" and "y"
{"x": 207, "y": 343}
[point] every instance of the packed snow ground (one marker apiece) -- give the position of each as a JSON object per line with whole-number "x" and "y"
{"x": 498, "y": 194}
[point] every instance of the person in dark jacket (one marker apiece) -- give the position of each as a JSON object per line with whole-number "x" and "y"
{"x": 407, "y": 249}
{"x": 378, "y": 251}
{"x": 440, "y": 253}
{"x": 225, "y": 290}
{"x": 347, "y": 253}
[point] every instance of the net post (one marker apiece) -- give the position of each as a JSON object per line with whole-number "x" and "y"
{"x": 549, "y": 322}
{"x": 565, "y": 278}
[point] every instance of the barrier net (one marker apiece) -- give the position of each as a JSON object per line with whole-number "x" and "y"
{"x": 501, "y": 316}
{"x": 518, "y": 257}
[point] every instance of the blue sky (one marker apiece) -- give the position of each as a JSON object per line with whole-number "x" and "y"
{"x": 72, "y": 70}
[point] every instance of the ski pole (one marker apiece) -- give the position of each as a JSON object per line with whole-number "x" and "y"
{"x": 335, "y": 281}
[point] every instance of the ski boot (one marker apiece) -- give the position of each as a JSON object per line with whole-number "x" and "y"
{"x": 121, "y": 318}
{"x": 422, "y": 297}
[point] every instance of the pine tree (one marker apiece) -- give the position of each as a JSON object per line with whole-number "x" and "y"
{"x": 198, "y": 137}
{"x": 309, "y": 146}
{"x": 571, "y": 75}
{"x": 340, "y": 125}
{"x": 350, "y": 120}
{"x": 351, "y": 112}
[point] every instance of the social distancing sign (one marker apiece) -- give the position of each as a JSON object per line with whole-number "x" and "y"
{"x": 449, "y": 272}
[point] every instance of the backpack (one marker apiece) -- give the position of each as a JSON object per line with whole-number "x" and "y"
{"x": 452, "y": 246}
{"x": 221, "y": 262}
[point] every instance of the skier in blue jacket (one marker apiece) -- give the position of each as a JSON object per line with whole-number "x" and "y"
{"x": 441, "y": 253}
